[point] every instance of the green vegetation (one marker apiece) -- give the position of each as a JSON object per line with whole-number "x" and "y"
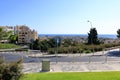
{"x": 93, "y": 37}
{"x": 13, "y": 38}
{"x": 44, "y": 45}
{"x": 118, "y": 33}
{"x": 8, "y": 46}
{"x": 4, "y": 35}
{"x": 82, "y": 48}
{"x": 73, "y": 76}
{"x": 68, "y": 46}
{"x": 10, "y": 71}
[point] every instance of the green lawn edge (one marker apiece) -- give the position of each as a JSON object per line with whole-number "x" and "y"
{"x": 113, "y": 75}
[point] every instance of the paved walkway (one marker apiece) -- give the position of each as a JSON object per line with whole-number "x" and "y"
{"x": 73, "y": 67}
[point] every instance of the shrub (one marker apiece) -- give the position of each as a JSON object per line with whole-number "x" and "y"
{"x": 65, "y": 50}
{"x": 60, "y": 50}
{"x": 10, "y": 71}
{"x": 87, "y": 51}
{"x": 75, "y": 50}
{"x": 51, "y": 51}
{"x": 83, "y": 48}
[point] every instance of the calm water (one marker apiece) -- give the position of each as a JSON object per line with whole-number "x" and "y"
{"x": 82, "y": 35}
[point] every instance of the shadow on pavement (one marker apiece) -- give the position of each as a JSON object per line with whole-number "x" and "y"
{"x": 114, "y": 54}
{"x": 46, "y": 56}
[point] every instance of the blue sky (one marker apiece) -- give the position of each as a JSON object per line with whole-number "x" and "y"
{"x": 62, "y": 16}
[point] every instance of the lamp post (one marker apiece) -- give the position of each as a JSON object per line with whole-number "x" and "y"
{"x": 90, "y": 23}
{"x": 91, "y": 35}
{"x": 91, "y": 28}
{"x": 56, "y": 52}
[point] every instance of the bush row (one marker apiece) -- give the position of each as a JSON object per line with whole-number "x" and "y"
{"x": 81, "y": 49}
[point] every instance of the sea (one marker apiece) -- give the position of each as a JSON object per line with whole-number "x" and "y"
{"x": 112, "y": 36}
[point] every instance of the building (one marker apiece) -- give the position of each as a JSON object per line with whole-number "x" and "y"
{"x": 25, "y": 34}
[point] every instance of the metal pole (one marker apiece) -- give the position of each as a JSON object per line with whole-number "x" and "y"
{"x": 56, "y": 52}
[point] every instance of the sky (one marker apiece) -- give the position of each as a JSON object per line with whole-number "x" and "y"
{"x": 62, "y": 16}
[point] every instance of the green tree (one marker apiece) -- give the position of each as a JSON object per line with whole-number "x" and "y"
{"x": 7, "y": 34}
{"x": 45, "y": 44}
{"x": 67, "y": 42}
{"x": 1, "y": 33}
{"x": 93, "y": 36}
{"x": 4, "y": 35}
{"x": 51, "y": 42}
{"x": 35, "y": 44}
{"x": 118, "y": 33}
{"x": 13, "y": 38}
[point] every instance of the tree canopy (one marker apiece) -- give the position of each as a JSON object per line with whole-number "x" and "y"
{"x": 45, "y": 44}
{"x": 118, "y": 33}
{"x": 5, "y": 34}
{"x": 93, "y": 36}
{"x": 13, "y": 38}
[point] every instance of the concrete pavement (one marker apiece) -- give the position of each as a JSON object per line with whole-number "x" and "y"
{"x": 73, "y": 67}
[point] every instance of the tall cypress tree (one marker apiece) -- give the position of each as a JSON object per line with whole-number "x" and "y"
{"x": 93, "y": 36}
{"x": 118, "y": 33}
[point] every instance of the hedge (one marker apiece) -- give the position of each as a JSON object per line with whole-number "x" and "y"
{"x": 82, "y": 48}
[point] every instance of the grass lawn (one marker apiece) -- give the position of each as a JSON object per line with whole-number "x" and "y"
{"x": 8, "y": 46}
{"x": 73, "y": 76}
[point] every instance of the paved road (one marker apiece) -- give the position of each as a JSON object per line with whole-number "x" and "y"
{"x": 113, "y": 55}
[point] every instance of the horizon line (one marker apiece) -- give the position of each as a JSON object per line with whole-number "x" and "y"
{"x": 71, "y": 34}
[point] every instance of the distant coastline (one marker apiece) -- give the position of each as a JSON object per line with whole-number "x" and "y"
{"x": 112, "y": 36}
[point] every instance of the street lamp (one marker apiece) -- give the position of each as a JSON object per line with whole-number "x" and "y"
{"x": 90, "y": 23}
{"x": 91, "y": 35}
